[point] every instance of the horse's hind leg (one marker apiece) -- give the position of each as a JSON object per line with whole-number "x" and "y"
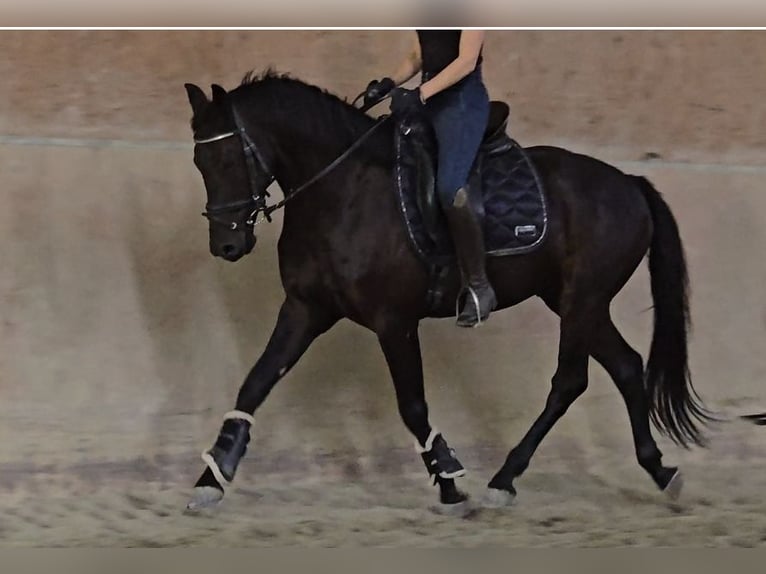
{"x": 569, "y": 382}
{"x": 297, "y": 326}
{"x": 625, "y": 367}
{"x": 401, "y": 347}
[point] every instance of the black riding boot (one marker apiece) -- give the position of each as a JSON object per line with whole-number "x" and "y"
{"x": 468, "y": 237}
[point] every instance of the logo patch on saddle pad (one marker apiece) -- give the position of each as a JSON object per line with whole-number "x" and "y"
{"x": 505, "y": 188}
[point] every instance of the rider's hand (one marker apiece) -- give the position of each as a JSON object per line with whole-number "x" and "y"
{"x": 406, "y": 102}
{"x": 377, "y": 90}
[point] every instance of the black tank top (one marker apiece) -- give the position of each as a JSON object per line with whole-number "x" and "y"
{"x": 438, "y": 48}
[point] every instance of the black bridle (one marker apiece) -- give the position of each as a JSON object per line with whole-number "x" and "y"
{"x": 256, "y": 203}
{"x": 257, "y": 200}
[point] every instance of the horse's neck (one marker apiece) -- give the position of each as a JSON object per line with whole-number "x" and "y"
{"x": 306, "y": 149}
{"x": 304, "y": 155}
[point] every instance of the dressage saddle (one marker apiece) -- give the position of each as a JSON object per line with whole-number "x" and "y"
{"x": 506, "y": 191}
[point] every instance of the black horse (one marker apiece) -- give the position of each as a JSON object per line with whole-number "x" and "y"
{"x": 344, "y": 253}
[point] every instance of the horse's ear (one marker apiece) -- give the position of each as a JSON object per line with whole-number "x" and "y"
{"x": 219, "y": 94}
{"x": 197, "y": 98}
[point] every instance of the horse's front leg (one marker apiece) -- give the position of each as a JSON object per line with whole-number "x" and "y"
{"x": 297, "y": 326}
{"x": 401, "y": 348}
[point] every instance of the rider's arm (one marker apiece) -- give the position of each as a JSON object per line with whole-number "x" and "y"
{"x": 410, "y": 66}
{"x": 470, "y": 48}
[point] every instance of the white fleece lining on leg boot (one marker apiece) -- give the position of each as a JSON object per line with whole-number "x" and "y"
{"x": 213, "y": 466}
{"x": 239, "y": 415}
{"x": 456, "y": 474}
{"x": 429, "y": 442}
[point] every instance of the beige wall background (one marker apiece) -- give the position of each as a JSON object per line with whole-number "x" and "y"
{"x": 122, "y": 342}
{"x": 687, "y": 95}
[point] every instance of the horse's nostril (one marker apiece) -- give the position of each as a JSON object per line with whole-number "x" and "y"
{"x": 228, "y": 249}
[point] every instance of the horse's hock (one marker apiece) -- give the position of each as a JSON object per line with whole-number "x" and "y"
{"x": 124, "y": 341}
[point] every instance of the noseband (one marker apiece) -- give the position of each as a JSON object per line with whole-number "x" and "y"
{"x": 257, "y": 200}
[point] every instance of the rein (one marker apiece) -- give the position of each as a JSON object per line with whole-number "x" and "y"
{"x": 253, "y": 155}
{"x": 335, "y": 163}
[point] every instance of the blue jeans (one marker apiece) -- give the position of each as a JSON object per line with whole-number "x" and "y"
{"x": 459, "y": 117}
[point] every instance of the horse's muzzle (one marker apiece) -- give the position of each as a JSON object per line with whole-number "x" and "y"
{"x": 233, "y": 249}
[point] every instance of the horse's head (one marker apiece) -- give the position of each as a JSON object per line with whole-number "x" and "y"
{"x": 234, "y": 169}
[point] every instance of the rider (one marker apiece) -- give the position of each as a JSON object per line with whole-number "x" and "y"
{"x": 454, "y": 98}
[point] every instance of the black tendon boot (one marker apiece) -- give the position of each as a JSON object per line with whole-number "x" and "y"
{"x": 229, "y": 447}
{"x": 439, "y": 458}
{"x": 467, "y": 235}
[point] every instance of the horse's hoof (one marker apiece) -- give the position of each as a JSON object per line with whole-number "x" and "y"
{"x": 205, "y": 497}
{"x": 496, "y": 498}
{"x": 452, "y": 496}
{"x": 457, "y": 510}
{"x": 673, "y": 489}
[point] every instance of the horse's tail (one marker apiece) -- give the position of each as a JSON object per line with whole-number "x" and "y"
{"x": 675, "y": 407}
{"x": 757, "y": 419}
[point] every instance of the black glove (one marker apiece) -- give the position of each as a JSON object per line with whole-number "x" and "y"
{"x": 406, "y": 102}
{"x": 377, "y": 90}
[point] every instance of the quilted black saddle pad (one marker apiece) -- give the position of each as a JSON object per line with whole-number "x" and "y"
{"x": 506, "y": 190}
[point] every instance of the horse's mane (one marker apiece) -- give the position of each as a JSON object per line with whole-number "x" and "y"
{"x": 304, "y": 104}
